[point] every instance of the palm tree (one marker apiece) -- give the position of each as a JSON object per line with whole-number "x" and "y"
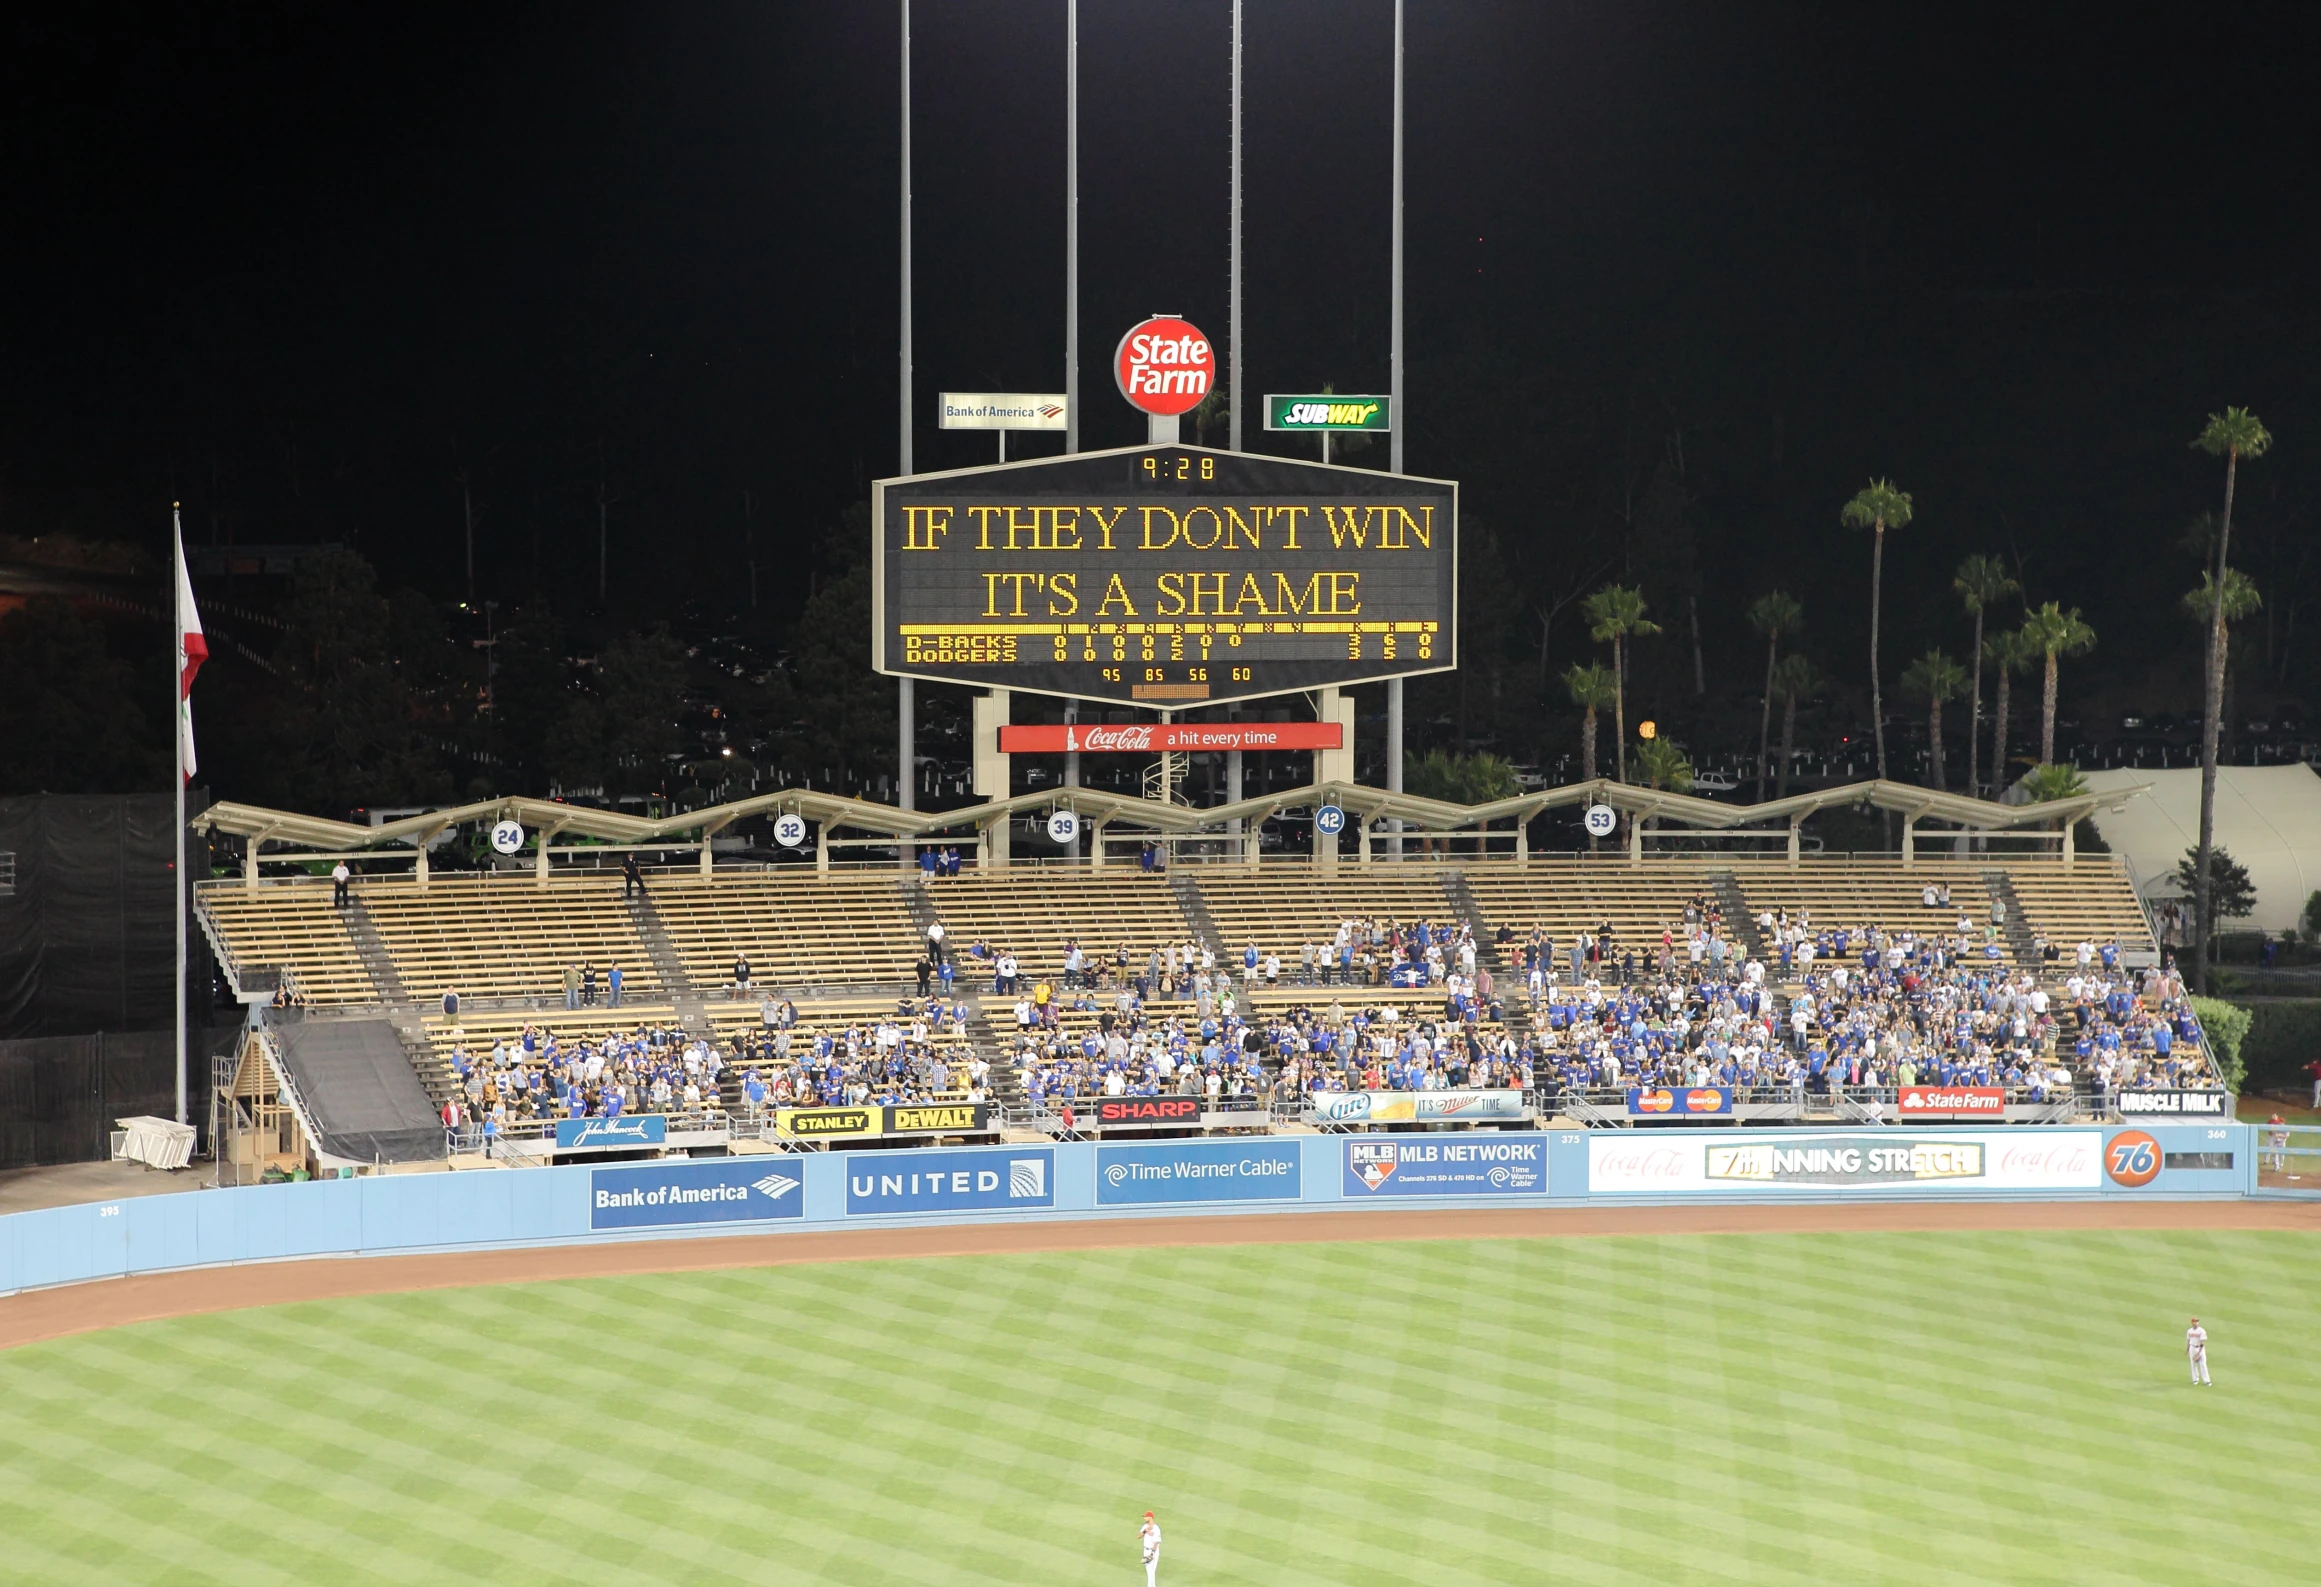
{"x": 1661, "y": 763}
{"x": 1877, "y": 507}
{"x": 2006, "y": 654}
{"x": 1772, "y": 615}
{"x": 2054, "y": 633}
{"x": 1796, "y": 678}
{"x": 2233, "y": 434}
{"x": 2240, "y": 600}
{"x": 2049, "y": 782}
{"x": 1982, "y": 582}
{"x": 1934, "y": 677}
{"x": 1591, "y": 688}
{"x": 1616, "y": 614}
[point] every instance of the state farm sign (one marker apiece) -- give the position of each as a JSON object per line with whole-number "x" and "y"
{"x": 1988, "y": 1102}
{"x": 1164, "y": 366}
{"x": 1151, "y": 738}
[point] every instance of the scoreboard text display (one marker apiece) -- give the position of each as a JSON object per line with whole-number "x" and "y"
{"x": 1164, "y": 576}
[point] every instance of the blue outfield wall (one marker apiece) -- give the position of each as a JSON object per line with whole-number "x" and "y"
{"x": 1256, "y": 1174}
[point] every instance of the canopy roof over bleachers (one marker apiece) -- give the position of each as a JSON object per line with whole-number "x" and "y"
{"x": 1370, "y": 805}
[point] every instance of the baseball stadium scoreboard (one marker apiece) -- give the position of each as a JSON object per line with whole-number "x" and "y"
{"x": 1165, "y": 576}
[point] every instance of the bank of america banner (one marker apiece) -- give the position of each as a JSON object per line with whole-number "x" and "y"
{"x": 1245, "y": 1169}
{"x": 1884, "y": 1160}
{"x": 1416, "y": 1107}
{"x": 1469, "y": 1165}
{"x": 739, "y": 1190}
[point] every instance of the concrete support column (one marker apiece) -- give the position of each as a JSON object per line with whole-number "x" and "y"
{"x": 420, "y": 869}
{"x": 1522, "y": 838}
{"x": 1096, "y": 846}
{"x": 1795, "y": 847}
{"x": 1071, "y": 765}
{"x": 822, "y": 848}
{"x": 2070, "y": 850}
{"x": 1336, "y": 765}
{"x": 991, "y": 846}
{"x": 250, "y": 862}
{"x": 706, "y": 861}
{"x": 1636, "y": 840}
{"x": 1362, "y": 827}
{"x": 1909, "y": 841}
{"x": 991, "y": 713}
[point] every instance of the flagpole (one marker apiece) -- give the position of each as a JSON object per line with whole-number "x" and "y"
{"x": 177, "y": 770}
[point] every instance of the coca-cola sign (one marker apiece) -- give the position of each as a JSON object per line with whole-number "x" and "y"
{"x": 1150, "y": 738}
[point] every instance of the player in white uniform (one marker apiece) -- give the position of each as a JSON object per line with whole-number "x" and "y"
{"x": 2196, "y": 1346}
{"x": 1149, "y": 1536}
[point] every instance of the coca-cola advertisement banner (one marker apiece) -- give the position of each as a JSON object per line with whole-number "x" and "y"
{"x": 1925, "y": 1102}
{"x": 1826, "y": 1162}
{"x": 1151, "y": 738}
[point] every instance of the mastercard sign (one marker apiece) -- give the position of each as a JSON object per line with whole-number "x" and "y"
{"x": 1165, "y": 366}
{"x": 1693, "y": 1101}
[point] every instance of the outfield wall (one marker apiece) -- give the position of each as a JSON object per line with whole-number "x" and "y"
{"x": 1079, "y": 1180}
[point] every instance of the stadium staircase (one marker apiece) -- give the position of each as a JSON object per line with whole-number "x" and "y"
{"x": 985, "y": 1036}
{"x": 1196, "y": 909}
{"x": 1740, "y": 919}
{"x": 1470, "y": 911}
{"x": 668, "y": 964}
{"x": 2022, "y": 941}
{"x": 377, "y": 962}
{"x": 924, "y": 917}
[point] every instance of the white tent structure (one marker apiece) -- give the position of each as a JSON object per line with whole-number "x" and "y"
{"x": 2267, "y": 817}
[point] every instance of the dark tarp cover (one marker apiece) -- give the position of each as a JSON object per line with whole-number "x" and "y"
{"x": 360, "y": 1089}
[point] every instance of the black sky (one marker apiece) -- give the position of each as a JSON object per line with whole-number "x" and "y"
{"x": 299, "y": 266}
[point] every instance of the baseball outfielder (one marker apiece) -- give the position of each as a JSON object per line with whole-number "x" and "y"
{"x": 1149, "y": 1536}
{"x": 2195, "y": 1346}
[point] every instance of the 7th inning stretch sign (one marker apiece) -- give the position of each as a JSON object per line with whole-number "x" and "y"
{"x": 1164, "y": 575}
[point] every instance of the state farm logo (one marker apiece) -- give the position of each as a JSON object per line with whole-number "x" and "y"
{"x": 1097, "y": 740}
{"x": 1987, "y": 1101}
{"x": 1164, "y": 366}
{"x": 2132, "y": 1158}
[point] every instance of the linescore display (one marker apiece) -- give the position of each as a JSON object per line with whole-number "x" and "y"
{"x": 1164, "y": 575}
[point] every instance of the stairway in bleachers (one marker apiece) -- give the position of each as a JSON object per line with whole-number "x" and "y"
{"x": 1470, "y": 911}
{"x": 2022, "y": 941}
{"x": 668, "y": 964}
{"x": 1740, "y": 919}
{"x": 377, "y": 962}
{"x": 1197, "y": 914}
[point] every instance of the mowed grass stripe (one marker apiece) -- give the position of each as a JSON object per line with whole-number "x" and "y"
{"x": 1803, "y": 1408}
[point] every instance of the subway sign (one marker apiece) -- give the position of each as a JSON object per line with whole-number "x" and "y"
{"x": 1165, "y": 576}
{"x": 1328, "y": 412}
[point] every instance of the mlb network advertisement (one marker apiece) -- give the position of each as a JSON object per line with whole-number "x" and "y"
{"x": 1486, "y": 1165}
{"x": 1256, "y": 1169}
{"x": 1415, "y": 1107}
{"x": 742, "y": 1190}
{"x": 982, "y": 1181}
{"x": 1884, "y": 1160}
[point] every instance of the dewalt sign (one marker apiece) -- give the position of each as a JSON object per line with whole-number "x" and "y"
{"x": 1326, "y": 411}
{"x": 893, "y": 1118}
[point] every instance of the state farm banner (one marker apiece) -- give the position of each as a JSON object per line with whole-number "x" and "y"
{"x": 1957, "y": 1102}
{"x": 1151, "y": 738}
{"x": 1416, "y": 1107}
{"x": 1828, "y": 1162}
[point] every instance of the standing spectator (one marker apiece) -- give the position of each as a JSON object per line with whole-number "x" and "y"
{"x": 339, "y": 878}
{"x": 741, "y": 975}
{"x": 450, "y": 1006}
{"x": 930, "y": 864}
{"x": 612, "y": 985}
{"x": 588, "y": 984}
{"x": 2314, "y": 1069}
{"x": 925, "y": 972}
{"x": 935, "y": 942}
{"x": 571, "y": 986}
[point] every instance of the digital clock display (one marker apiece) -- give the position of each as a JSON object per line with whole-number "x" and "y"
{"x": 1168, "y": 576}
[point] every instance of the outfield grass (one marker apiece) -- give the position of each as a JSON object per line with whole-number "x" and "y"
{"x": 1866, "y": 1408}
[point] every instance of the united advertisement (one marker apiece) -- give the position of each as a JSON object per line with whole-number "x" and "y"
{"x": 1416, "y": 1107}
{"x": 1019, "y": 1179}
{"x": 1475, "y": 1165}
{"x": 1251, "y": 1169}
{"x": 1626, "y": 1163}
{"x": 738, "y": 1190}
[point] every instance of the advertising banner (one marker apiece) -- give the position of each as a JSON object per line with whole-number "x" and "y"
{"x": 1826, "y": 1162}
{"x": 1148, "y": 1110}
{"x": 1327, "y": 411}
{"x": 1480, "y": 1165}
{"x": 2175, "y": 1104}
{"x": 1180, "y": 1171}
{"x": 738, "y": 1190}
{"x": 645, "y": 1129}
{"x": 1960, "y": 1102}
{"x": 1013, "y": 1180}
{"x": 1005, "y": 410}
{"x": 900, "y": 1118}
{"x": 1152, "y": 738}
{"x": 1415, "y": 1107}
{"x": 1691, "y": 1101}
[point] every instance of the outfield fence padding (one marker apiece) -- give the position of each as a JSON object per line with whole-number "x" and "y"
{"x": 769, "y": 1194}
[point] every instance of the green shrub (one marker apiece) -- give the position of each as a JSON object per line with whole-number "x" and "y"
{"x": 2224, "y": 1024}
{"x": 2284, "y": 1036}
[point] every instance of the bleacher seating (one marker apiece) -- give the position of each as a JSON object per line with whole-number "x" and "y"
{"x": 292, "y": 925}
{"x": 1569, "y": 896}
{"x": 798, "y": 930}
{"x": 2092, "y": 902}
{"x": 505, "y": 935}
{"x": 1281, "y": 911}
{"x": 1032, "y": 914}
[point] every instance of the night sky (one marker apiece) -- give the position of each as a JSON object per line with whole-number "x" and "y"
{"x": 302, "y": 267}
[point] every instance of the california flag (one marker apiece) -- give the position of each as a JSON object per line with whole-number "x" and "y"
{"x": 192, "y": 651}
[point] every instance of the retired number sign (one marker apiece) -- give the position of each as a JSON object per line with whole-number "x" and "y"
{"x": 1164, "y": 575}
